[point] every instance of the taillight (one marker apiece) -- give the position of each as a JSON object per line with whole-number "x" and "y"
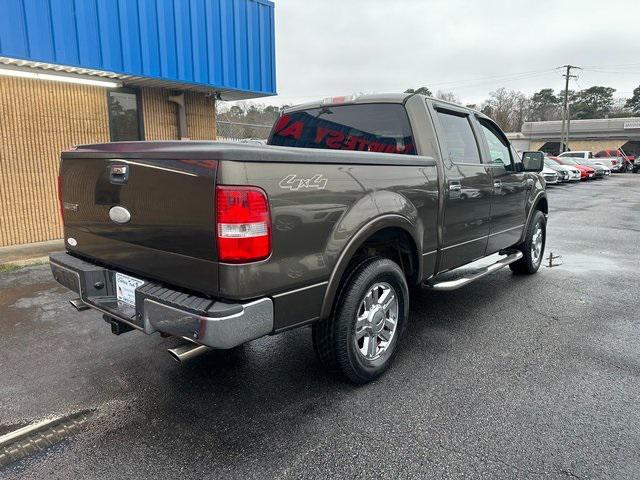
{"x": 243, "y": 224}
{"x": 60, "y": 204}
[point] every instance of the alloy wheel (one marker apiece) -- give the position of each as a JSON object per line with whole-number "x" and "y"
{"x": 376, "y": 321}
{"x": 536, "y": 244}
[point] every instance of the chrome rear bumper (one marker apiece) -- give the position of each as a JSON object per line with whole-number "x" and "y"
{"x": 201, "y": 320}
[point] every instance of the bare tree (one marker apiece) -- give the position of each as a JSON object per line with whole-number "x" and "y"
{"x": 448, "y": 96}
{"x": 509, "y": 108}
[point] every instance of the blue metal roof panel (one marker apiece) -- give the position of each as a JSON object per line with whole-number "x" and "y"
{"x": 224, "y": 44}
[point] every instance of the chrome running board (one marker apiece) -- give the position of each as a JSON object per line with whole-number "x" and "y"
{"x": 447, "y": 285}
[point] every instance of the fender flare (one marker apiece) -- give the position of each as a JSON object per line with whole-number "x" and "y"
{"x": 534, "y": 206}
{"x": 355, "y": 242}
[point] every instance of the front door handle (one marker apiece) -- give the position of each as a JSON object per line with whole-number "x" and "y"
{"x": 497, "y": 185}
{"x": 454, "y": 189}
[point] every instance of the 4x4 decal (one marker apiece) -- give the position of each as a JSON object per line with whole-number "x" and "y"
{"x": 293, "y": 182}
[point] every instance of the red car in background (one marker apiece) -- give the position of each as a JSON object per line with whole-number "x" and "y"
{"x": 586, "y": 173}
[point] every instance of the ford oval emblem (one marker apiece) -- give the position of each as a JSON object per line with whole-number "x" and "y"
{"x": 119, "y": 214}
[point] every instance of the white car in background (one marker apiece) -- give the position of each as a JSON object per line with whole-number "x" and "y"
{"x": 566, "y": 173}
{"x": 550, "y": 176}
{"x": 584, "y": 156}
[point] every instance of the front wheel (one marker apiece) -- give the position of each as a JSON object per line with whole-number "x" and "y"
{"x": 361, "y": 338}
{"x": 533, "y": 246}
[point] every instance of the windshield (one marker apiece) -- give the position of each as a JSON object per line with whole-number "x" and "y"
{"x": 374, "y": 127}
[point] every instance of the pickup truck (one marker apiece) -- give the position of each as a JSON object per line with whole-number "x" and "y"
{"x": 353, "y": 202}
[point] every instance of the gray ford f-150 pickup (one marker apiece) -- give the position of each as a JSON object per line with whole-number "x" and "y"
{"x": 352, "y": 202}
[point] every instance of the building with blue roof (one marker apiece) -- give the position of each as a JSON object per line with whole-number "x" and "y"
{"x": 83, "y": 71}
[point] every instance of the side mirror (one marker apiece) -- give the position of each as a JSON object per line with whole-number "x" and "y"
{"x": 533, "y": 161}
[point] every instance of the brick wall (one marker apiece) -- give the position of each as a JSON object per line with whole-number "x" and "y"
{"x": 161, "y": 119}
{"x": 39, "y": 119}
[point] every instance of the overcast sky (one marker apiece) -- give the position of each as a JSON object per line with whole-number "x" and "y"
{"x": 333, "y": 47}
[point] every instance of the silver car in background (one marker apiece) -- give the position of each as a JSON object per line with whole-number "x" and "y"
{"x": 566, "y": 173}
{"x": 601, "y": 169}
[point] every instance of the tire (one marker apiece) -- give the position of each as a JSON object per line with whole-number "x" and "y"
{"x": 532, "y": 257}
{"x": 362, "y": 350}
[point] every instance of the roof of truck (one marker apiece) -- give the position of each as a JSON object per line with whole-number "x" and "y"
{"x": 355, "y": 99}
{"x": 352, "y": 99}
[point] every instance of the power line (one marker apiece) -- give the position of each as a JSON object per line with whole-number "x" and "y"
{"x": 613, "y": 71}
{"x": 621, "y": 65}
{"x": 502, "y": 81}
{"x": 491, "y": 77}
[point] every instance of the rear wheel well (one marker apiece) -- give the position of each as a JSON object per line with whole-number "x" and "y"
{"x": 395, "y": 244}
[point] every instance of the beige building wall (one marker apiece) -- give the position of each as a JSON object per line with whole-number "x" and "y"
{"x": 591, "y": 145}
{"x": 161, "y": 115}
{"x": 39, "y": 119}
{"x": 595, "y": 145}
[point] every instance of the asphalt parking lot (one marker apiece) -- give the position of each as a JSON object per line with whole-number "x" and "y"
{"x": 510, "y": 377}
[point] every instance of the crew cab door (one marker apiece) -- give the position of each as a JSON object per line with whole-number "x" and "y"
{"x": 467, "y": 188}
{"x": 508, "y": 213}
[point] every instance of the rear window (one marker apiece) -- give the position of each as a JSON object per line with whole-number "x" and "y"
{"x": 375, "y": 127}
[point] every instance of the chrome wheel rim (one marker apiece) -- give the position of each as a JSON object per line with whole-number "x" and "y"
{"x": 536, "y": 244}
{"x": 376, "y": 321}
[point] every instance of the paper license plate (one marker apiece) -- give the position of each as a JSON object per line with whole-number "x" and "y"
{"x": 126, "y": 288}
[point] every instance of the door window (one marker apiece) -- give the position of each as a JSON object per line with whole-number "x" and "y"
{"x": 460, "y": 144}
{"x": 498, "y": 146}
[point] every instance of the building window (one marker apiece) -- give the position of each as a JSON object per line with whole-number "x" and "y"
{"x": 125, "y": 121}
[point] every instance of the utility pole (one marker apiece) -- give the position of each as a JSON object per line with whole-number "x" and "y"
{"x": 564, "y": 140}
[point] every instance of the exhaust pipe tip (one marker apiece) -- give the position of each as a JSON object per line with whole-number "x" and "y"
{"x": 78, "y": 304}
{"x": 187, "y": 351}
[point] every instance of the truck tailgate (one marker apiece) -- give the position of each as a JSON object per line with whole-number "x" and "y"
{"x": 170, "y": 233}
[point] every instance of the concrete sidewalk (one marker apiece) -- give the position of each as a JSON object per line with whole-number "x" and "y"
{"x": 29, "y": 253}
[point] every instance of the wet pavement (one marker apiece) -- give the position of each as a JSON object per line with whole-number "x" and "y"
{"x": 510, "y": 377}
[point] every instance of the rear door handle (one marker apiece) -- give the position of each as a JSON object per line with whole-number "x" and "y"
{"x": 497, "y": 185}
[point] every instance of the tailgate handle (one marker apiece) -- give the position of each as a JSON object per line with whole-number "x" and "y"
{"x": 119, "y": 174}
